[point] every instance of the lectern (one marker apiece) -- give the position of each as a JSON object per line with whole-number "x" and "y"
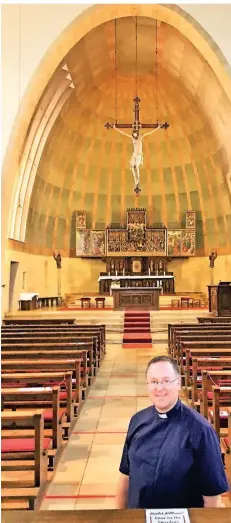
{"x": 220, "y": 299}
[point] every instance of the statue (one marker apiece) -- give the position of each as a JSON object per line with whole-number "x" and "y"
{"x": 58, "y": 259}
{"x": 212, "y": 258}
{"x": 137, "y": 155}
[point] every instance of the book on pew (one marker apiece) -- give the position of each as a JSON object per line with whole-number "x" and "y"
{"x": 168, "y": 515}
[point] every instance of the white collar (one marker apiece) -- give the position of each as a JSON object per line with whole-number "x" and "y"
{"x": 164, "y": 415}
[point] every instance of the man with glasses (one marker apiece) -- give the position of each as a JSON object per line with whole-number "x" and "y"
{"x": 171, "y": 456}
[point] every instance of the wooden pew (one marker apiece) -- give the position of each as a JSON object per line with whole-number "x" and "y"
{"x": 185, "y": 336}
{"x": 49, "y": 365}
{"x": 211, "y": 378}
{"x": 208, "y": 364}
{"x": 214, "y": 352}
{"x": 173, "y": 327}
{"x": 214, "y": 319}
{"x": 221, "y": 400}
{"x": 48, "y": 350}
{"x": 37, "y": 397}
{"x": 48, "y": 379}
{"x": 226, "y": 441}
{"x": 38, "y": 321}
{"x": 60, "y": 331}
{"x": 57, "y": 341}
{"x": 203, "y": 344}
{"x": 25, "y": 453}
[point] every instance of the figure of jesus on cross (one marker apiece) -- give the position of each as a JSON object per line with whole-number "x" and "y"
{"x": 137, "y": 155}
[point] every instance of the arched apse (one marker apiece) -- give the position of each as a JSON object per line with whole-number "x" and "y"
{"x": 81, "y": 163}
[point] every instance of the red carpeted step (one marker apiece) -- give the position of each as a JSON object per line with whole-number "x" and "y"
{"x": 136, "y": 319}
{"x": 139, "y": 338}
{"x": 137, "y": 323}
{"x": 135, "y": 313}
{"x": 137, "y": 345}
{"x": 137, "y": 333}
{"x": 136, "y": 329}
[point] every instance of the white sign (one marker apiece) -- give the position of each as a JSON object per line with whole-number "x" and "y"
{"x": 171, "y": 515}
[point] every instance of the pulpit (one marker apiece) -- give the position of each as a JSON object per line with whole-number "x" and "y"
{"x": 220, "y": 299}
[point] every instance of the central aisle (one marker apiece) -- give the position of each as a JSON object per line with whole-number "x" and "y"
{"x": 87, "y": 473}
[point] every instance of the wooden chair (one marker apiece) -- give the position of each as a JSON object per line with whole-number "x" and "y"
{"x": 196, "y": 303}
{"x": 184, "y": 302}
{"x": 175, "y": 304}
{"x": 100, "y": 301}
{"x": 85, "y": 303}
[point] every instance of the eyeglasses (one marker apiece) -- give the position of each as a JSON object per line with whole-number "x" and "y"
{"x": 165, "y": 383}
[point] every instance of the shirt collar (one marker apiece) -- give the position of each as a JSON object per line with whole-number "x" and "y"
{"x": 171, "y": 413}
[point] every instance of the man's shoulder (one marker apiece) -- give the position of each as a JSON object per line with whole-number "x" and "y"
{"x": 142, "y": 416}
{"x": 195, "y": 419}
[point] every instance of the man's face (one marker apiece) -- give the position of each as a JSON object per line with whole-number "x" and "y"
{"x": 163, "y": 395}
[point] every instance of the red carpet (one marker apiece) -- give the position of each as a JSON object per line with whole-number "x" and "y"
{"x": 137, "y": 333}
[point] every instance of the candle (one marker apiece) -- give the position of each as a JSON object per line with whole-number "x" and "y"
{"x": 149, "y": 272}
{"x": 123, "y": 271}
{"x": 164, "y": 273}
{"x": 116, "y": 273}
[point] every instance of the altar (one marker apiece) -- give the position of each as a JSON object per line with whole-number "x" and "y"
{"x": 165, "y": 281}
{"x": 135, "y": 298}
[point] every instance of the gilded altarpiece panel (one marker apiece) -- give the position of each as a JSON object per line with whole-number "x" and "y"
{"x": 97, "y": 243}
{"x": 136, "y": 240}
{"x": 82, "y": 242}
{"x": 81, "y": 219}
{"x": 188, "y": 243}
{"x": 190, "y": 222}
{"x": 174, "y": 242}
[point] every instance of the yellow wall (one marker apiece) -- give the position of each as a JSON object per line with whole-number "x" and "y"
{"x": 77, "y": 275}
{"x": 194, "y": 274}
{"x": 81, "y": 276}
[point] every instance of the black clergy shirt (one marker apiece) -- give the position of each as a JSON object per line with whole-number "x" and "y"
{"x": 172, "y": 461}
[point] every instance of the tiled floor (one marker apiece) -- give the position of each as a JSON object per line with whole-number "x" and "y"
{"x": 87, "y": 473}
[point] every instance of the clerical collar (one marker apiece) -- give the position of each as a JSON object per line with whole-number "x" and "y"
{"x": 170, "y": 412}
{"x": 162, "y": 415}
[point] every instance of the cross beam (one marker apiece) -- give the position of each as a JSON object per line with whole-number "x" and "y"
{"x": 136, "y": 125}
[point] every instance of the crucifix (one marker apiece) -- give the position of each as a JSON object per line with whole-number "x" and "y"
{"x": 136, "y": 126}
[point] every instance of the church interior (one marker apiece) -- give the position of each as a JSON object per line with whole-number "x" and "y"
{"x": 115, "y": 248}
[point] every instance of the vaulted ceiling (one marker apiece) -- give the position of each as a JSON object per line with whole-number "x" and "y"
{"x": 84, "y": 166}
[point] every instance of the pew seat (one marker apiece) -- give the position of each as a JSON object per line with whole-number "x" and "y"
{"x": 12, "y": 445}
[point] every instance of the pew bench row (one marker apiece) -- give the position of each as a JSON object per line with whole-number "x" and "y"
{"x": 47, "y": 370}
